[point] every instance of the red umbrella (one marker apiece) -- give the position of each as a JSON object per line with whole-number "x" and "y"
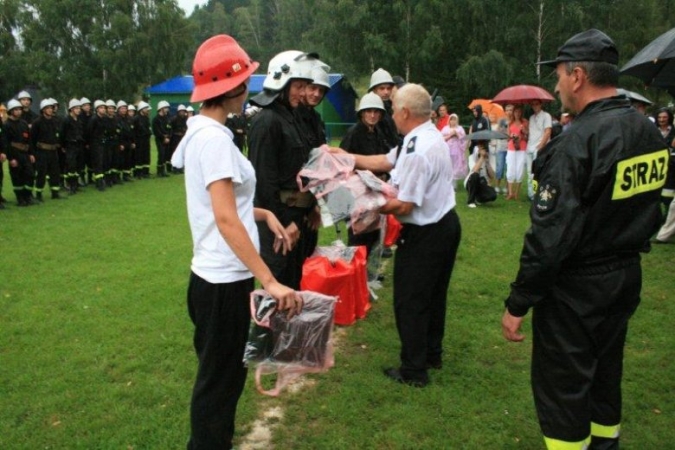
{"x": 523, "y": 93}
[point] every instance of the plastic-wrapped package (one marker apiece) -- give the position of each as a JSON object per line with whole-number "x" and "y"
{"x": 289, "y": 347}
{"x": 342, "y": 193}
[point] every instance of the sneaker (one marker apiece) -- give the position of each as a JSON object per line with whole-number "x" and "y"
{"x": 472, "y": 205}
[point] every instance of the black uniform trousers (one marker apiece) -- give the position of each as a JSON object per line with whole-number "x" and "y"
{"x": 142, "y": 156}
{"x": 423, "y": 263}
{"x": 47, "y": 164}
{"x": 73, "y": 156}
{"x": 221, "y": 315}
{"x": 97, "y": 159}
{"x": 23, "y": 174}
{"x": 579, "y": 333}
{"x": 287, "y": 269}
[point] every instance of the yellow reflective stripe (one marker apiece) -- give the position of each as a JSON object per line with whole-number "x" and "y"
{"x": 640, "y": 174}
{"x": 555, "y": 444}
{"x": 605, "y": 431}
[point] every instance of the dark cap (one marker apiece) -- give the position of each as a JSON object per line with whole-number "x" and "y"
{"x": 398, "y": 81}
{"x": 591, "y": 45}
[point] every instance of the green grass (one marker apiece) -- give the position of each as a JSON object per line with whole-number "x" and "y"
{"x": 96, "y": 350}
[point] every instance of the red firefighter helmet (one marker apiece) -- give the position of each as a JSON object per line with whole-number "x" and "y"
{"x": 220, "y": 65}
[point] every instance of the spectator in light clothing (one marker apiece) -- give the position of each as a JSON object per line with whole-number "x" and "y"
{"x": 539, "y": 134}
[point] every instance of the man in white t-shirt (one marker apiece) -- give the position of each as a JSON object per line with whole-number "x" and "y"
{"x": 539, "y": 134}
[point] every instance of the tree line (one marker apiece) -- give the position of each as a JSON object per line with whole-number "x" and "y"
{"x": 463, "y": 48}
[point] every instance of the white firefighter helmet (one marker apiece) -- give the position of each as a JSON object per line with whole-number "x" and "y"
{"x": 163, "y": 104}
{"x": 121, "y": 103}
{"x": 98, "y": 103}
{"x": 320, "y": 77}
{"x": 84, "y": 101}
{"x": 110, "y": 103}
{"x": 380, "y": 76}
{"x": 143, "y": 105}
{"x": 74, "y": 103}
{"x": 13, "y": 104}
{"x": 132, "y": 108}
{"x": 181, "y": 108}
{"x": 190, "y": 109}
{"x": 24, "y": 94}
{"x": 46, "y": 103}
{"x": 371, "y": 101}
{"x": 285, "y": 66}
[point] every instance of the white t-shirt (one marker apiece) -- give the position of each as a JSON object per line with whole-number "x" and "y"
{"x": 537, "y": 125}
{"x": 423, "y": 175}
{"x": 208, "y": 154}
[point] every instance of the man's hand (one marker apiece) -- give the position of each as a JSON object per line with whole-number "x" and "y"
{"x": 293, "y": 233}
{"x": 511, "y": 327}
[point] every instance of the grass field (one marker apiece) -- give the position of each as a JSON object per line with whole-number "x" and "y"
{"x": 96, "y": 350}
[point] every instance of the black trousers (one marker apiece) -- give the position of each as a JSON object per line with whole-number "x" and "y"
{"x": 579, "y": 333}
{"x": 47, "y": 164}
{"x": 73, "y": 156}
{"x": 287, "y": 269}
{"x": 23, "y": 174}
{"x": 221, "y": 315}
{"x": 479, "y": 190}
{"x": 423, "y": 263}
{"x": 97, "y": 159}
{"x": 142, "y": 154}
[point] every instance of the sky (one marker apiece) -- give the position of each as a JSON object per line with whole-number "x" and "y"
{"x": 189, "y": 5}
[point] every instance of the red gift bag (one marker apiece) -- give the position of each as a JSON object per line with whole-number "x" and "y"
{"x": 345, "y": 278}
{"x": 393, "y": 230}
{"x": 320, "y": 275}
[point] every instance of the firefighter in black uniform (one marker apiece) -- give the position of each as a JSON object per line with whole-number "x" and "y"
{"x": 126, "y": 141}
{"x": 382, "y": 84}
{"x": 315, "y": 128}
{"x": 595, "y": 207}
{"x": 46, "y": 144}
{"x": 96, "y": 138}
{"x": 178, "y": 129}
{"x": 72, "y": 140}
{"x": 113, "y": 145}
{"x": 278, "y": 149}
{"x": 27, "y": 113}
{"x": 84, "y": 161}
{"x": 365, "y": 138}
{"x": 161, "y": 128}
{"x": 142, "y": 134}
{"x": 17, "y": 139}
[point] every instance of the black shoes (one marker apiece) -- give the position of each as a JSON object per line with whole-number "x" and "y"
{"x": 395, "y": 375}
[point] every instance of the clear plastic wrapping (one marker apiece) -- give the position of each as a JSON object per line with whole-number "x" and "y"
{"x": 289, "y": 347}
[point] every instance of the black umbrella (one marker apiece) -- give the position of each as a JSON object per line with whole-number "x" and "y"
{"x": 634, "y": 96}
{"x": 655, "y": 64}
{"x": 487, "y": 135}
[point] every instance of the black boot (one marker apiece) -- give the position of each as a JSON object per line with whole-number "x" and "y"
{"x": 38, "y": 197}
{"x": 100, "y": 184}
{"x": 57, "y": 196}
{"x": 73, "y": 186}
{"x": 21, "y": 198}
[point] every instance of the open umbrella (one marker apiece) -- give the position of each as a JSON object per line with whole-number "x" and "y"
{"x": 655, "y": 64}
{"x": 522, "y": 93}
{"x": 487, "y": 135}
{"x": 488, "y": 107}
{"x": 634, "y": 96}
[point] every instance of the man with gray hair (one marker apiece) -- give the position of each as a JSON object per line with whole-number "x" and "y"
{"x": 421, "y": 169}
{"x": 595, "y": 207}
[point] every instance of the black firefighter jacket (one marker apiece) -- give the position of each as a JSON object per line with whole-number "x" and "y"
{"x": 597, "y": 197}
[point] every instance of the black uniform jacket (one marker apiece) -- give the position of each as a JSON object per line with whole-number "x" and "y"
{"x": 597, "y": 198}
{"x": 313, "y": 127}
{"x": 161, "y": 128}
{"x": 387, "y": 127}
{"x": 360, "y": 141}
{"x": 72, "y": 132}
{"x": 142, "y": 127}
{"x": 45, "y": 131}
{"x": 16, "y": 131}
{"x": 277, "y": 150}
